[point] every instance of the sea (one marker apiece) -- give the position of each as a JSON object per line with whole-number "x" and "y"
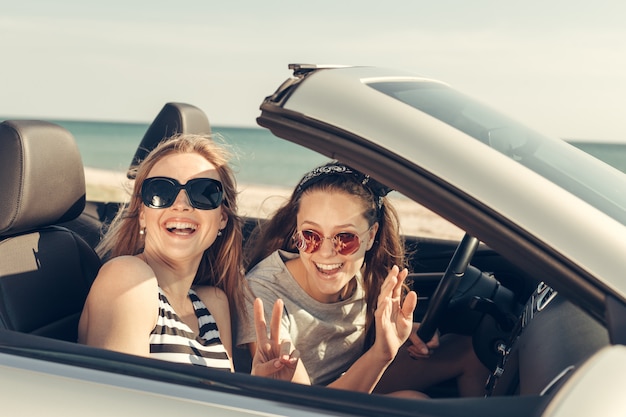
{"x": 260, "y": 157}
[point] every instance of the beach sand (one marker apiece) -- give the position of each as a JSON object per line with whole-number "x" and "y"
{"x": 261, "y": 201}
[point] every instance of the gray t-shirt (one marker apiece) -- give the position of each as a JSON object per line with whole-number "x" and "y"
{"x": 330, "y": 337}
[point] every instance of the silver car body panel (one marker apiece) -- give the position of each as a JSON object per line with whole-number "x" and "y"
{"x": 588, "y": 392}
{"x": 34, "y": 387}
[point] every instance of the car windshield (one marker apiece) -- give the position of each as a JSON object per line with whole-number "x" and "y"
{"x": 573, "y": 170}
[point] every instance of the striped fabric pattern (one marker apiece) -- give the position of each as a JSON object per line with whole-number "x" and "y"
{"x": 172, "y": 340}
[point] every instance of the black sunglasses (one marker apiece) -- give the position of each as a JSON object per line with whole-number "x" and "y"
{"x": 202, "y": 193}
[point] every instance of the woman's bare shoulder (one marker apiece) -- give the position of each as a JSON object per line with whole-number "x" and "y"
{"x": 124, "y": 273}
{"x": 124, "y": 288}
{"x": 127, "y": 262}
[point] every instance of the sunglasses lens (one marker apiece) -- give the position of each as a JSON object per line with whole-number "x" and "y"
{"x": 346, "y": 243}
{"x": 158, "y": 192}
{"x": 205, "y": 193}
{"x": 309, "y": 241}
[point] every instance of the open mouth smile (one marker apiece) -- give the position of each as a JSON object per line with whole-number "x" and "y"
{"x": 181, "y": 228}
{"x": 328, "y": 268}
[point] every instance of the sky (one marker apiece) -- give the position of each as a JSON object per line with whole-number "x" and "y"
{"x": 557, "y": 66}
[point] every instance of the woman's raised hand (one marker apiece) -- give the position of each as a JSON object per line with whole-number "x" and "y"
{"x": 394, "y": 318}
{"x": 274, "y": 357}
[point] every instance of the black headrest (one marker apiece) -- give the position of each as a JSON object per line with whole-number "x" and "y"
{"x": 174, "y": 118}
{"x": 41, "y": 176}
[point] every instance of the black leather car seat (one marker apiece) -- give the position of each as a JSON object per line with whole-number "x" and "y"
{"x": 45, "y": 270}
{"x": 172, "y": 119}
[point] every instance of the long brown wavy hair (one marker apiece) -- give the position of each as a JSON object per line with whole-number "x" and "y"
{"x": 222, "y": 263}
{"x": 387, "y": 250}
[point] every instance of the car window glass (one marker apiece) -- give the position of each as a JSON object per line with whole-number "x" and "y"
{"x": 578, "y": 172}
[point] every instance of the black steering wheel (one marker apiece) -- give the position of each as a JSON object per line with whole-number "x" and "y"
{"x": 447, "y": 286}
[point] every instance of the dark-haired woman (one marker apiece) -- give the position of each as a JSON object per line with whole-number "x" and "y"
{"x": 334, "y": 255}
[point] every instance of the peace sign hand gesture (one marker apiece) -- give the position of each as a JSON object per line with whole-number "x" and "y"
{"x": 274, "y": 358}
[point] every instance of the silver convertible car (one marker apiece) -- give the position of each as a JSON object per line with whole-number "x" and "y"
{"x": 538, "y": 280}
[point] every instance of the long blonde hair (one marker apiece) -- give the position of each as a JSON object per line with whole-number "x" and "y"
{"x": 221, "y": 264}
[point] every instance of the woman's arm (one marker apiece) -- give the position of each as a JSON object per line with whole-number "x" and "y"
{"x": 121, "y": 308}
{"x": 393, "y": 321}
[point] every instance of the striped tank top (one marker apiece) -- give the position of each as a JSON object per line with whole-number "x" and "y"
{"x": 172, "y": 340}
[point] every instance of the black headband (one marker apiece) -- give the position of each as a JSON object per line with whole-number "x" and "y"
{"x": 335, "y": 168}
